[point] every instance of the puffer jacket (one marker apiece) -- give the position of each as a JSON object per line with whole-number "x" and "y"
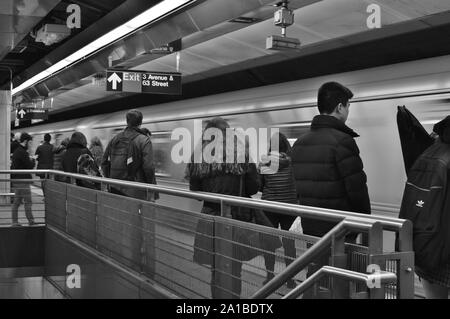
{"x": 145, "y": 173}
{"x": 328, "y": 171}
{"x": 277, "y": 185}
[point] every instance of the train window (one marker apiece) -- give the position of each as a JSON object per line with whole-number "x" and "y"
{"x": 293, "y": 130}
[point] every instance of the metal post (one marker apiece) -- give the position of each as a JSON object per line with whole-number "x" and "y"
{"x": 222, "y": 271}
{"x": 405, "y": 271}
{"x": 375, "y": 248}
{"x": 340, "y": 288}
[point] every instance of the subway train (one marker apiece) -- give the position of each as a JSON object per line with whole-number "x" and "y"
{"x": 423, "y": 86}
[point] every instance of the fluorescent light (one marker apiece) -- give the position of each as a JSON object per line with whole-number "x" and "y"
{"x": 139, "y": 21}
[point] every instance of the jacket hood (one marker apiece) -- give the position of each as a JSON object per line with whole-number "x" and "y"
{"x": 280, "y": 160}
{"x": 443, "y": 130}
{"x": 78, "y": 140}
{"x": 327, "y": 121}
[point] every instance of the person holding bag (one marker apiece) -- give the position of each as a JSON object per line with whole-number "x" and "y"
{"x": 220, "y": 177}
{"x": 278, "y": 185}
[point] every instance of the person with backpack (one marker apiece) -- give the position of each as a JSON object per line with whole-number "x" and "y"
{"x": 129, "y": 157}
{"x": 77, "y": 146}
{"x": 426, "y": 203}
{"x": 278, "y": 186}
{"x": 86, "y": 165}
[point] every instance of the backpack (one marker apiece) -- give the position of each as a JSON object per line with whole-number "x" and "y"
{"x": 87, "y": 166}
{"x": 124, "y": 158}
{"x": 425, "y": 204}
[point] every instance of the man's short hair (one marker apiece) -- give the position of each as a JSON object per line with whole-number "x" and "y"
{"x": 134, "y": 118}
{"x": 47, "y": 137}
{"x": 25, "y": 137}
{"x": 330, "y": 95}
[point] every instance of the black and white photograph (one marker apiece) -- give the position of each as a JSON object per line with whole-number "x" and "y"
{"x": 233, "y": 158}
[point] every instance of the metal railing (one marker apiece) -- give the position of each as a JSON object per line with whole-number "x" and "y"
{"x": 163, "y": 241}
{"x": 383, "y": 278}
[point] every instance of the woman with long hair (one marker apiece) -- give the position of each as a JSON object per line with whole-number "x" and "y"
{"x": 215, "y": 175}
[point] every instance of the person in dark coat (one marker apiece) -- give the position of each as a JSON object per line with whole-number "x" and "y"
{"x": 144, "y": 171}
{"x": 279, "y": 186}
{"x": 58, "y": 153}
{"x": 327, "y": 167}
{"x": 221, "y": 178}
{"x": 328, "y": 170}
{"x": 436, "y": 282}
{"x": 77, "y": 146}
{"x": 44, "y": 155}
{"x": 21, "y": 160}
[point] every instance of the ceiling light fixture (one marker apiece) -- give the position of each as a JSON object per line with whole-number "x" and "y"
{"x": 154, "y": 13}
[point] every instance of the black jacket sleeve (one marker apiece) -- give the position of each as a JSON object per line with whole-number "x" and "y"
{"x": 350, "y": 168}
{"x": 251, "y": 180}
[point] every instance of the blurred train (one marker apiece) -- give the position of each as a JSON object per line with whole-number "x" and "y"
{"x": 423, "y": 86}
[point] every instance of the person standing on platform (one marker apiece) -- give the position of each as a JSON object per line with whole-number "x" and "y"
{"x": 235, "y": 178}
{"x": 96, "y": 149}
{"x": 15, "y": 142}
{"x": 22, "y": 189}
{"x": 129, "y": 157}
{"x": 328, "y": 170}
{"x": 77, "y": 146}
{"x": 279, "y": 186}
{"x": 58, "y": 154}
{"x": 426, "y": 202}
{"x": 44, "y": 155}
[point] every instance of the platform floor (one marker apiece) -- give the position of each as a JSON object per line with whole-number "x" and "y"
{"x": 38, "y": 210}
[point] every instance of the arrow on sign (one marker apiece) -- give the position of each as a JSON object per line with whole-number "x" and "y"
{"x": 22, "y": 113}
{"x": 114, "y": 78}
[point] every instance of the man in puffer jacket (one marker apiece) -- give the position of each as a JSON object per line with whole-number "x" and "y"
{"x": 327, "y": 167}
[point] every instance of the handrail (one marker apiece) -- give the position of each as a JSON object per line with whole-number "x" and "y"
{"x": 382, "y": 277}
{"x": 387, "y": 223}
{"x": 300, "y": 263}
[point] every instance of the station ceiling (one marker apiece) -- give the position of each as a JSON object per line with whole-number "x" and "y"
{"x": 224, "y": 49}
{"x": 20, "y": 19}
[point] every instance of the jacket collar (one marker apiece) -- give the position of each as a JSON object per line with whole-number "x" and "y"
{"x": 327, "y": 121}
